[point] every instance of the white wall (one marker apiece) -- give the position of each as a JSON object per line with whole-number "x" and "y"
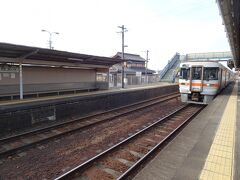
{"x": 42, "y": 75}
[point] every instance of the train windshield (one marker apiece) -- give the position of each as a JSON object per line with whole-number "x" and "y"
{"x": 184, "y": 74}
{"x": 211, "y": 73}
{"x": 196, "y": 73}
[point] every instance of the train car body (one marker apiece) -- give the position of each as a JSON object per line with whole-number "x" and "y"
{"x": 201, "y": 81}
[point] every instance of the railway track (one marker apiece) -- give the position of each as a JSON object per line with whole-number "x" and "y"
{"x": 123, "y": 159}
{"x": 14, "y": 144}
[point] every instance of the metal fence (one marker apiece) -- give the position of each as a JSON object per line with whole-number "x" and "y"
{"x": 115, "y": 80}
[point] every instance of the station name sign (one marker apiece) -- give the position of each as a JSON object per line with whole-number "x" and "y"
{"x": 5, "y": 68}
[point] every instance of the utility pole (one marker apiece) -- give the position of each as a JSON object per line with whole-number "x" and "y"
{"x": 146, "y": 77}
{"x": 123, "y": 30}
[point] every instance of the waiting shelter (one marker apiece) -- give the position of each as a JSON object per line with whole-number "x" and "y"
{"x": 33, "y": 71}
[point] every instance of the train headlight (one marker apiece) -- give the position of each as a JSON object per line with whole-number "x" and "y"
{"x": 210, "y": 85}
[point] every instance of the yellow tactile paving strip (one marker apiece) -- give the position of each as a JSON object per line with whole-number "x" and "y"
{"x": 219, "y": 164}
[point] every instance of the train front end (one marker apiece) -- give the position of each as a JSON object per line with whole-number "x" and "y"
{"x": 198, "y": 82}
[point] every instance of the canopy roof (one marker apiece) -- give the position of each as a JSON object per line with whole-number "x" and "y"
{"x": 36, "y": 55}
{"x": 230, "y": 11}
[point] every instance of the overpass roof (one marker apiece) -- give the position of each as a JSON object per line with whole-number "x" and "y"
{"x": 230, "y": 11}
{"x": 217, "y": 56}
{"x": 36, "y": 55}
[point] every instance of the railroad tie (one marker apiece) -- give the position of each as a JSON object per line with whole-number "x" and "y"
{"x": 112, "y": 172}
{"x": 125, "y": 162}
{"x": 137, "y": 154}
{"x": 27, "y": 141}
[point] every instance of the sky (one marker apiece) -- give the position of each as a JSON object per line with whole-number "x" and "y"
{"x": 163, "y": 27}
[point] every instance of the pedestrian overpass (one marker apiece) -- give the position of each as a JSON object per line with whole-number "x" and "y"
{"x": 216, "y": 56}
{"x": 170, "y": 71}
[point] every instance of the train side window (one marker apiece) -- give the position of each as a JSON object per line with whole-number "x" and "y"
{"x": 184, "y": 73}
{"x": 210, "y": 73}
{"x": 196, "y": 73}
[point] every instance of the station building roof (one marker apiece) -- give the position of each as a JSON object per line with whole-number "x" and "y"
{"x": 35, "y": 55}
{"x": 129, "y": 57}
{"x": 230, "y": 11}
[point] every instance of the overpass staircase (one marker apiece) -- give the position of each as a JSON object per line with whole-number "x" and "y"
{"x": 171, "y": 69}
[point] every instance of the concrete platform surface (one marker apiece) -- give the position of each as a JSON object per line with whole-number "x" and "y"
{"x": 67, "y": 96}
{"x": 208, "y": 148}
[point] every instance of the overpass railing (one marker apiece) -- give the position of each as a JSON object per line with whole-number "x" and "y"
{"x": 170, "y": 64}
{"x": 220, "y": 56}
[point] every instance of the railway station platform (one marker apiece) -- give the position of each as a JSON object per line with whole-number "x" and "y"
{"x": 12, "y": 105}
{"x": 207, "y": 148}
{"x": 16, "y": 115}
{"x": 7, "y": 103}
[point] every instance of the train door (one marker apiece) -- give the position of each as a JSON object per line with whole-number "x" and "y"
{"x": 225, "y": 78}
{"x": 220, "y": 79}
{"x": 184, "y": 78}
{"x": 196, "y": 78}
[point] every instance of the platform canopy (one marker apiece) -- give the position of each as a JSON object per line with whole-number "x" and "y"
{"x": 13, "y": 57}
{"x": 230, "y": 11}
{"x": 40, "y": 56}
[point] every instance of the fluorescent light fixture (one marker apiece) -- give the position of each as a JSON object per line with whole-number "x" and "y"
{"x": 75, "y": 59}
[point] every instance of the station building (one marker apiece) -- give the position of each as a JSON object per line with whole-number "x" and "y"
{"x": 33, "y": 71}
{"x": 135, "y": 69}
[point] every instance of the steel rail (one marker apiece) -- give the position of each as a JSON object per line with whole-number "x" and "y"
{"x": 155, "y": 148}
{"x": 89, "y": 162}
{"x": 80, "y": 119}
{"x": 27, "y": 145}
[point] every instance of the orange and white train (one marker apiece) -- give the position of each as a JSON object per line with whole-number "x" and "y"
{"x": 201, "y": 81}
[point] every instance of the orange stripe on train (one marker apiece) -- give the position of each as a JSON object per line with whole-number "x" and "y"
{"x": 200, "y": 84}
